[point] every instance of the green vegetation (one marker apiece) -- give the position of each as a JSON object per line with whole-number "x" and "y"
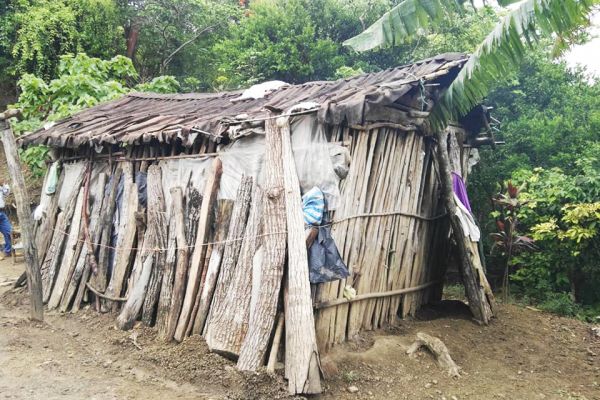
{"x": 61, "y": 56}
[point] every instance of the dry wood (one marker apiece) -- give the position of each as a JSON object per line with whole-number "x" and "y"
{"x": 197, "y": 260}
{"x": 438, "y": 349}
{"x": 480, "y": 302}
{"x": 125, "y": 234}
{"x": 229, "y": 326}
{"x": 100, "y": 278}
{"x": 86, "y": 261}
{"x": 67, "y": 260}
{"x": 154, "y": 239}
{"x": 224, "y": 210}
{"x": 276, "y": 343}
{"x": 237, "y": 226}
{"x": 32, "y": 263}
{"x": 158, "y": 223}
{"x": 301, "y": 354}
{"x": 54, "y": 254}
{"x": 45, "y": 229}
{"x": 166, "y": 287}
{"x": 181, "y": 267}
{"x": 269, "y": 276}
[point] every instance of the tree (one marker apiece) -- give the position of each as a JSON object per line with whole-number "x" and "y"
{"x": 498, "y": 55}
{"x": 83, "y": 81}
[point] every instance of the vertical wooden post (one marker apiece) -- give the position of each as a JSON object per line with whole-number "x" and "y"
{"x": 302, "y": 366}
{"x": 32, "y": 264}
{"x": 480, "y": 300}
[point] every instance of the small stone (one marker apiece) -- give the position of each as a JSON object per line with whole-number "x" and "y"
{"x": 107, "y": 363}
{"x": 352, "y": 389}
{"x": 435, "y": 382}
{"x": 454, "y": 398}
{"x": 427, "y": 385}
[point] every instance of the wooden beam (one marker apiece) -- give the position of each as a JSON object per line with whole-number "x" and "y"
{"x": 32, "y": 263}
{"x": 301, "y": 354}
{"x": 208, "y": 199}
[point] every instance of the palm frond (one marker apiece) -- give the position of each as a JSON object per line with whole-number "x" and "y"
{"x": 403, "y": 22}
{"x": 504, "y": 48}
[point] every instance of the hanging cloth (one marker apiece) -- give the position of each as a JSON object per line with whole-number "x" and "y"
{"x": 325, "y": 263}
{"x": 313, "y": 204}
{"x": 458, "y": 185}
{"x": 52, "y": 178}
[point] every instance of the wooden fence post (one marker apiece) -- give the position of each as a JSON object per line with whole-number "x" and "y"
{"x": 32, "y": 265}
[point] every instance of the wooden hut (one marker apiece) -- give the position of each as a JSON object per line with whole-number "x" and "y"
{"x": 185, "y": 211}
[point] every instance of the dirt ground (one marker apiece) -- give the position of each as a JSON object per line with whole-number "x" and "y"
{"x": 524, "y": 354}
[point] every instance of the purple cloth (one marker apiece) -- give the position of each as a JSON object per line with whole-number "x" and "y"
{"x": 458, "y": 185}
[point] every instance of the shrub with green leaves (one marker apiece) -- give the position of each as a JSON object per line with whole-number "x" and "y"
{"x": 82, "y": 82}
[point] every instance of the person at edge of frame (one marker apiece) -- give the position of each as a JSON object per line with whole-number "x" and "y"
{"x": 5, "y": 226}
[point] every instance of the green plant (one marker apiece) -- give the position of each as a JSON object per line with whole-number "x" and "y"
{"x": 561, "y": 304}
{"x": 507, "y": 239}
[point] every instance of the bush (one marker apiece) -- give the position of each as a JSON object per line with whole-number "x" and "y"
{"x": 561, "y": 304}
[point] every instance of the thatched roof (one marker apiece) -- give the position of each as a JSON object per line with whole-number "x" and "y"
{"x": 401, "y": 95}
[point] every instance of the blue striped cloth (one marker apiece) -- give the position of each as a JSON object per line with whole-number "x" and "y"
{"x": 313, "y": 204}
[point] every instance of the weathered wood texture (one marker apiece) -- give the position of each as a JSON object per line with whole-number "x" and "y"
{"x": 438, "y": 349}
{"x": 197, "y": 260}
{"x": 157, "y": 222}
{"x": 54, "y": 255}
{"x": 270, "y": 270}
{"x": 66, "y": 264}
{"x": 151, "y": 253}
{"x": 181, "y": 267}
{"x": 100, "y": 278}
{"x": 224, "y": 210}
{"x": 301, "y": 354}
{"x": 233, "y": 245}
{"x": 477, "y": 289}
{"x": 401, "y": 246}
{"x": 229, "y": 326}
{"x": 125, "y": 234}
{"x": 86, "y": 260}
{"x": 32, "y": 263}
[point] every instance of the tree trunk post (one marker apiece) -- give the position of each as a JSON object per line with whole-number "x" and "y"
{"x": 32, "y": 264}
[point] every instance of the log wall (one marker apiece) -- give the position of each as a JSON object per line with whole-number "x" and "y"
{"x": 390, "y": 228}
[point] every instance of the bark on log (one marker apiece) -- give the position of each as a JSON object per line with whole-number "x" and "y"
{"x": 237, "y": 226}
{"x": 66, "y": 266}
{"x": 262, "y": 318}
{"x": 84, "y": 263}
{"x": 100, "y": 279}
{"x": 32, "y": 263}
{"x": 224, "y": 211}
{"x": 438, "y": 349}
{"x": 102, "y": 202}
{"x": 229, "y": 325}
{"x": 54, "y": 253}
{"x": 158, "y": 223}
{"x": 182, "y": 264}
{"x": 45, "y": 229}
{"x": 166, "y": 287}
{"x": 301, "y": 354}
{"x": 480, "y": 302}
{"x": 154, "y": 239}
{"x": 125, "y": 234}
{"x": 197, "y": 261}
{"x": 276, "y": 343}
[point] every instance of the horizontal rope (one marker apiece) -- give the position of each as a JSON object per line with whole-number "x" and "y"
{"x": 159, "y": 249}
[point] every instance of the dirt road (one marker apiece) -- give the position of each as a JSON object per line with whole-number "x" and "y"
{"x": 523, "y": 355}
